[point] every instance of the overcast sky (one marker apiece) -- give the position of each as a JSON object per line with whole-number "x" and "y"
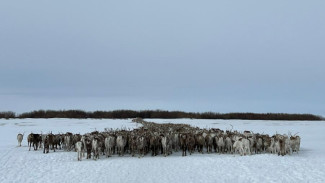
{"x": 221, "y": 56}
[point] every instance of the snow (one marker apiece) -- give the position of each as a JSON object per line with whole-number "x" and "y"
{"x": 20, "y": 165}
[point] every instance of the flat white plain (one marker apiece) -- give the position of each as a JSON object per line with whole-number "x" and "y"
{"x": 20, "y": 165}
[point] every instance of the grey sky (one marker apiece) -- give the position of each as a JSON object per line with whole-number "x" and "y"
{"x": 222, "y": 56}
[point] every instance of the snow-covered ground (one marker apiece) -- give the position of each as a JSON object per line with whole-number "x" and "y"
{"x": 17, "y": 164}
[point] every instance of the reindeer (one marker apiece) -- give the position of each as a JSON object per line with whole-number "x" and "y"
{"x": 79, "y": 147}
{"x": 133, "y": 145}
{"x": 259, "y": 145}
{"x": 29, "y": 139}
{"x": 190, "y": 141}
{"x": 288, "y": 149}
{"x": 58, "y": 141}
{"x": 88, "y": 147}
{"x": 20, "y": 138}
{"x": 109, "y": 145}
{"x": 95, "y": 148}
{"x": 252, "y": 143}
{"x": 83, "y": 140}
{"x": 183, "y": 143}
{"x": 51, "y": 141}
{"x": 175, "y": 142}
{"x": 295, "y": 143}
{"x": 74, "y": 139}
{"x": 273, "y": 147}
{"x": 267, "y": 143}
{"x": 165, "y": 138}
{"x": 42, "y": 139}
{"x": 165, "y": 145}
{"x": 35, "y": 140}
{"x": 154, "y": 145}
{"x": 200, "y": 141}
{"x": 221, "y": 144}
{"x": 141, "y": 143}
{"x": 282, "y": 149}
{"x": 46, "y": 145}
{"x": 228, "y": 145}
{"x": 120, "y": 142}
{"x": 238, "y": 146}
{"x": 209, "y": 142}
{"x": 246, "y": 146}
{"x": 68, "y": 141}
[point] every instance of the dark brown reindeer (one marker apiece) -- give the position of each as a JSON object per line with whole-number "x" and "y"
{"x": 34, "y": 139}
{"x": 88, "y": 148}
{"x": 50, "y": 138}
{"x": 183, "y": 143}
{"x": 133, "y": 145}
{"x": 154, "y": 145}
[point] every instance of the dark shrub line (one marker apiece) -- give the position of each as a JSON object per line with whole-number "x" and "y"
{"x": 7, "y": 114}
{"x": 122, "y": 114}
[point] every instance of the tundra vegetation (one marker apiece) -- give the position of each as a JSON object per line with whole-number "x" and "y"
{"x": 164, "y": 139}
{"x": 123, "y": 114}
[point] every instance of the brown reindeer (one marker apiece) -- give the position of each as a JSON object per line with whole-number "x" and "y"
{"x": 183, "y": 143}
{"x": 154, "y": 145}
{"x": 35, "y": 140}
{"x": 133, "y": 145}
{"x": 29, "y": 139}
{"x": 51, "y": 141}
{"x": 88, "y": 148}
{"x": 190, "y": 141}
{"x": 46, "y": 145}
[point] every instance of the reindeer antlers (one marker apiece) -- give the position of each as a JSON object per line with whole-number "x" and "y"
{"x": 232, "y": 127}
{"x": 295, "y": 134}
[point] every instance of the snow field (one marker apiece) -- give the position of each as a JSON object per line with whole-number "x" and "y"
{"x": 20, "y": 165}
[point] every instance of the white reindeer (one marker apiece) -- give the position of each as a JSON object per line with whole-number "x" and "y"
{"x": 246, "y": 146}
{"x": 165, "y": 142}
{"x": 295, "y": 143}
{"x": 20, "y": 138}
{"x": 95, "y": 149}
{"x": 221, "y": 144}
{"x": 79, "y": 147}
{"x": 288, "y": 149}
{"x": 120, "y": 142}
{"x": 238, "y": 146}
{"x": 67, "y": 141}
{"x": 109, "y": 145}
{"x": 141, "y": 146}
{"x": 43, "y": 136}
{"x": 83, "y": 141}
{"x": 277, "y": 147}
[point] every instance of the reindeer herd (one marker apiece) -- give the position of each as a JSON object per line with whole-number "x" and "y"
{"x": 164, "y": 139}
